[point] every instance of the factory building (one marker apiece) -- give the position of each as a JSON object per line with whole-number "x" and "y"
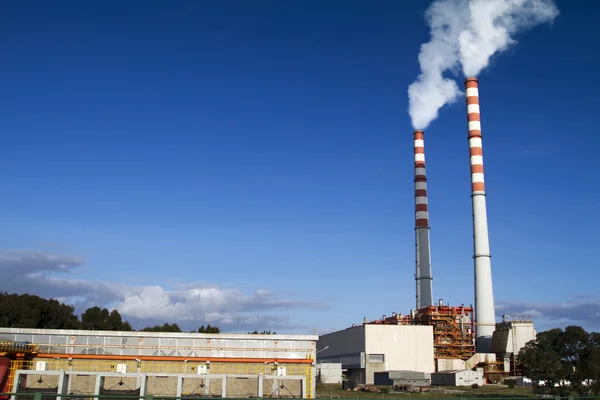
{"x": 365, "y": 349}
{"x": 160, "y": 364}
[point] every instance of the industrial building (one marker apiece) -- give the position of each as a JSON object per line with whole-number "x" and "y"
{"x": 365, "y": 349}
{"x": 402, "y": 378}
{"x": 329, "y": 373}
{"x": 457, "y": 378}
{"x": 509, "y": 338}
{"x": 160, "y": 364}
{"x": 459, "y": 338}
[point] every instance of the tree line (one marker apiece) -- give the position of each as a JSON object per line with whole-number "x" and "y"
{"x": 560, "y": 361}
{"x": 31, "y": 311}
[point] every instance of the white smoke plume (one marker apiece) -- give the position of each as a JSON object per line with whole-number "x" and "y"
{"x": 466, "y": 33}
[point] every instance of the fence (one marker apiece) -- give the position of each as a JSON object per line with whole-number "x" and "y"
{"x": 54, "y": 396}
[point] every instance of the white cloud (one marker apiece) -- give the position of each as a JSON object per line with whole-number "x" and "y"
{"x": 466, "y": 34}
{"x": 580, "y": 310}
{"x": 25, "y": 261}
{"x": 47, "y": 275}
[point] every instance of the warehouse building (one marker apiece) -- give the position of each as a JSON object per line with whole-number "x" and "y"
{"x": 402, "y": 378}
{"x": 465, "y": 377}
{"x": 163, "y": 364}
{"x": 366, "y": 349}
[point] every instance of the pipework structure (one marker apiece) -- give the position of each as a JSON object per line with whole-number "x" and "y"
{"x": 423, "y": 278}
{"x": 485, "y": 315}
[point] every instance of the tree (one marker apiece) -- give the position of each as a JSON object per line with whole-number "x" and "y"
{"x": 95, "y": 318}
{"x": 30, "y": 311}
{"x": 166, "y": 327}
{"x": 573, "y": 346}
{"x": 542, "y": 362}
{"x": 114, "y": 322}
{"x": 558, "y": 357}
{"x": 209, "y": 329}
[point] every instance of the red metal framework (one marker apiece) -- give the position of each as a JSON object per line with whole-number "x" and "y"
{"x": 394, "y": 319}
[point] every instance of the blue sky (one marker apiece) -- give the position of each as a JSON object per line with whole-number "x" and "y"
{"x": 249, "y": 163}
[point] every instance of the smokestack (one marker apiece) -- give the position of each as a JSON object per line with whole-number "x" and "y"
{"x": 485, "y": 315}
{"x": 423, "y": 254}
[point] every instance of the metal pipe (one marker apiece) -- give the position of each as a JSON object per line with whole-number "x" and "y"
{"x": 485, "y": 314}
{"x": 423, "y": 279}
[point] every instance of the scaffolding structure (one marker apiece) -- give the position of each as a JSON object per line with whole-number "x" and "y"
{"x": 9, "y": 347}
{"x": 453, "y": 330}
{"x": 394, "y": 319}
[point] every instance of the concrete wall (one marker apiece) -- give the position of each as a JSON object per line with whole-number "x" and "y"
{"x": 85, "y": 385}
{"x": 167, "y": 386}
{"x": 405, "y": 347}
{"x": 329, "y": 372}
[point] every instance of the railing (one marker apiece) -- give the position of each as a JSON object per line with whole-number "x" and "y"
{"x": 8, "y": 346}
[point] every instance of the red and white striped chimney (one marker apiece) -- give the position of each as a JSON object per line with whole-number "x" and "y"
{"x": 423, "y": 253}
{"x": 485, "y": 314}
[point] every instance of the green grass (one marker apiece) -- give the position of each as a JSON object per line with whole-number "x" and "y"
{"x": 486, "y": 391}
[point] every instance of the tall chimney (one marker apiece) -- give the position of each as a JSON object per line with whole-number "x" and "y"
{"x": 485, "y": 314}
{"x": 423, "y": 254}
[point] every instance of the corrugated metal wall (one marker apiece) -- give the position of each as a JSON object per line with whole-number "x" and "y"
{"x": 346, "y": 347}
{"x": 165, "y": 344}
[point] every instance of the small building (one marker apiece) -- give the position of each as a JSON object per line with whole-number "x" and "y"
{"x": 402, "y": 378}
{"x": 329, "y": 373}
{"x": 365, "y": 349}
{"x": 465, "y": 377}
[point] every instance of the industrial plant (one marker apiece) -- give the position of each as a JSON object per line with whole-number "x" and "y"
{"x": 437, "y": 338}
{"x": 433, "y": 344}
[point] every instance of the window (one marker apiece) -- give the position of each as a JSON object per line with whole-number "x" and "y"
{"x": 375, "y": 358}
